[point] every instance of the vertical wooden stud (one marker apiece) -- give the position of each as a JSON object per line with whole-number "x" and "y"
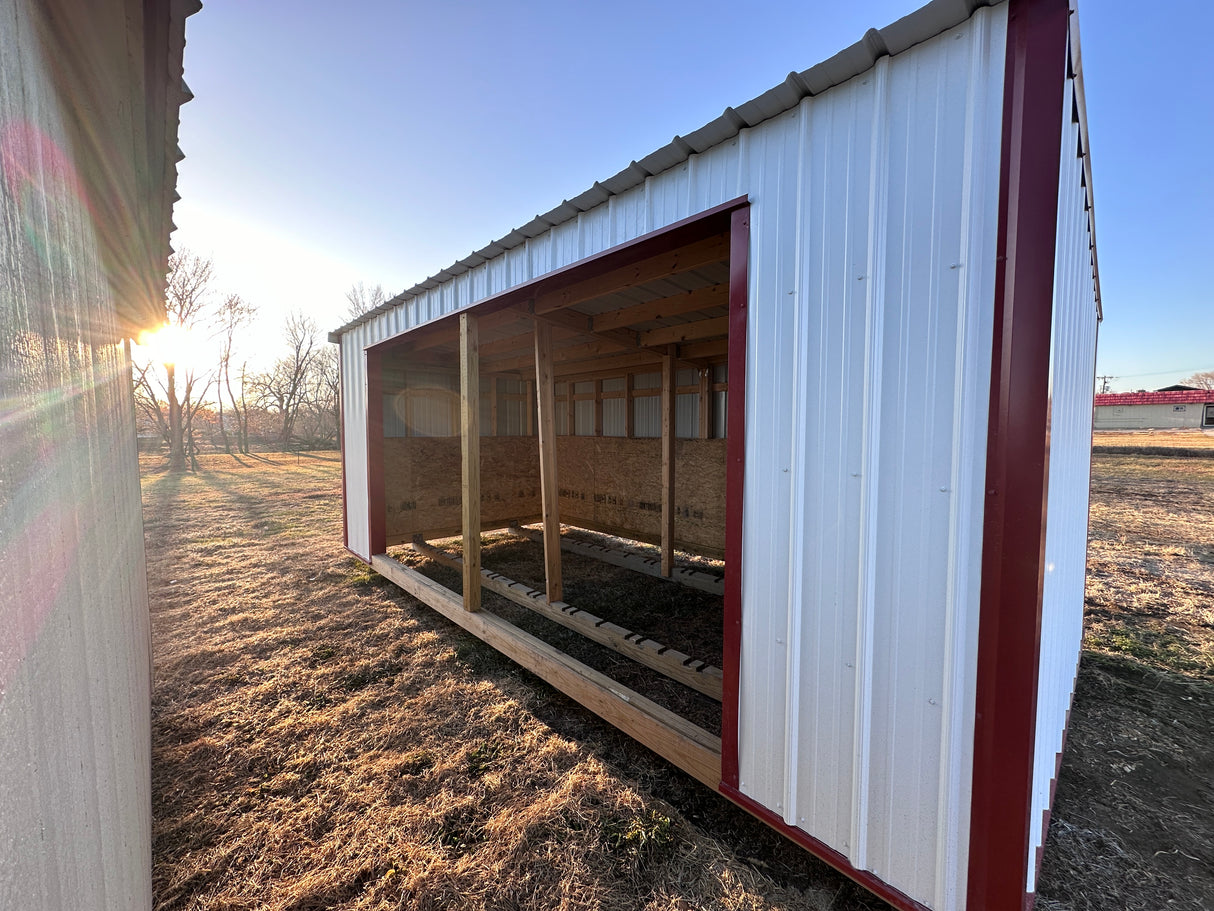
{"x": 705, "y": 403}
{"x": 629, "y": 426}
{"x": 493, "y": 406}
{"x": 598, "y": 408}
{"x": 529, "y": 407}
{"x": 668, "y": 434}
{"x": 546, "y": 414}
{"x": 470, "y": 437}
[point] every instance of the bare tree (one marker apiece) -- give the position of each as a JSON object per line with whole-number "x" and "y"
{"x": 1202, "y": 380}
{"x": 318, "y": 421}
{"x": 360, "y": 299}
{"x": 185, "y": 306}
{"x": 283, "y": 390}
{"x": 234, "y": 314}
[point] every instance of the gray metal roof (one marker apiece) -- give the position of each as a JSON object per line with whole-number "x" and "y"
{"x": 924, "y": 23}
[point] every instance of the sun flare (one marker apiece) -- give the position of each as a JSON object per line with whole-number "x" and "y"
{"x": 173, "y": 344}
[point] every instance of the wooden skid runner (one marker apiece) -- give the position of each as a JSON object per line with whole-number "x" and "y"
{"x": 705, "y": 582}
{"x": 690, "y": 747}
{"x": 689, "y": 671}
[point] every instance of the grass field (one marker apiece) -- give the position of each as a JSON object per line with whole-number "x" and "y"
{"x": 323, "y": 741}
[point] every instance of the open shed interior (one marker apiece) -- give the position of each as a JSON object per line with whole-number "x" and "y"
{"x": 583, "y": 421}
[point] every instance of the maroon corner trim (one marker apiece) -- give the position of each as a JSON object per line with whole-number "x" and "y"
{"x": 358, "y": 556}
{"x": 377, "y": 506}
{"x": 1017, "y": 463}
{"x": 824, "y": 852}
{"x": 341, "y": 449}
{"x": 735, "y": 463}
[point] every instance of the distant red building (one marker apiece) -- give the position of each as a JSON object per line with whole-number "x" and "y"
{"x": 1173, "y": 409}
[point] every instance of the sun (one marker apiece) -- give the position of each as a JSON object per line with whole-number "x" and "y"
{"x": 173, "y": 344}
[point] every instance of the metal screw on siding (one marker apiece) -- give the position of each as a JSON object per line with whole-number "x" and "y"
{"x": 955, "y": 266}
{"x": 931, "y": 702}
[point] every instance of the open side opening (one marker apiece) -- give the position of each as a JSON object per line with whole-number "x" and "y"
{"x": 552, "y": 471}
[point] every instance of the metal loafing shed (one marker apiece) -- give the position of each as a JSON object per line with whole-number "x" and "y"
{"x": 842, "y": 337}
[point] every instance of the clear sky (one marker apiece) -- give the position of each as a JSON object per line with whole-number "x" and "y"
{"x": 330, "y": 143}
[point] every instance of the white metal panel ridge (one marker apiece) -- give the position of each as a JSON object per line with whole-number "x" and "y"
{"x": 873, "y": 227}
{"x": 1072, "y": 370}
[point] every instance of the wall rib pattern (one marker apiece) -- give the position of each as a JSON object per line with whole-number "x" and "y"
{"x": 1072, "y": 370}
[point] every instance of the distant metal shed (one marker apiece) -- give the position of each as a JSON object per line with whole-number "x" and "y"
{"x": 1171, "y": 409}
{"x": 860, "y": 311}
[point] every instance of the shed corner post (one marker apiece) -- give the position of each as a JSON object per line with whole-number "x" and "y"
{"x": 377, "y": 504}
{"x": 1017, "y": 459}
{"x": 470, "y": 456}
{"x": 546, "y": 419}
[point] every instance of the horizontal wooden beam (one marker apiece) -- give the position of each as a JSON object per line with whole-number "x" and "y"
{"x": 584, "y": 324}
{"x": 698, "y": 675}
{"x": 696, "y": 351}
{"x": 663, "y": 307}
{"x": 688, "y": 746}
{"x": 692, "y": 578}
{"x": 718, "y": 327}
{"x": 684, "y": 259}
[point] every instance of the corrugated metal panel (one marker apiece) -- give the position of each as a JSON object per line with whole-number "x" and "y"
{"x": 1073, "y": 355}
{"x": 354, "y": 438}
{"x": 687, "y": 416}
{"x": 871, "y": 282}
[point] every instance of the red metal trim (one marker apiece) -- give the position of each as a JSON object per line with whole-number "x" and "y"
{"x": 824, "y": 852}
{"x": 377, "y": 505}
{"x": 679, "y": 234}
{"x": 1017, "y": 467}
{"x": 735, "y": 464}
{"x": 341, "y": 448}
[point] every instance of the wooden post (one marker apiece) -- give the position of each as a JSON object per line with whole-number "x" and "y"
{"x": 629, "y": 429}
{"x": 546, "y": 411}
{"x": 705, "y": 403}
{"x": 529, "y": 407}
{"x": 470, "y": 436}
{"x": 668, "y": 433}
{"x": 598, "y": 408}
{"x": 493, "y": 406}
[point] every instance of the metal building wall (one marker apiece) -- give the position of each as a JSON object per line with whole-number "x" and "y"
{"x": 75, "y": 663}
{"x": 871, "y": 277}
{"x": 871, "y": 286}
{"x": 1073, "y": 367}
{"x": 1149, "y": 417}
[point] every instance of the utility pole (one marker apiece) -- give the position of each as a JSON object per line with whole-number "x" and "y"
{"x": 1104, "y": 383}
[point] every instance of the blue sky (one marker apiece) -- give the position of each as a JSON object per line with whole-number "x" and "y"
{"x": 379, "y": 142}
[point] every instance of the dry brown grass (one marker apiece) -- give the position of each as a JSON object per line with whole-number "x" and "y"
{"x": 323, "y": 741}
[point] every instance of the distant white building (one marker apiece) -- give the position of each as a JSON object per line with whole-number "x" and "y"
{"x": 1181, "y": 409}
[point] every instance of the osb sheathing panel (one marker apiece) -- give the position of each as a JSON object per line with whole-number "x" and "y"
{"x": 610, "y": 484}
{"x": 614, "y": 485}
{"x": 422, "y": 483}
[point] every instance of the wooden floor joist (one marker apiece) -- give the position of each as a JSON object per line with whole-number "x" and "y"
{"x": 686, "y": 745}
{"x": 692, "y": 578}
{"x": 703, "y": 678}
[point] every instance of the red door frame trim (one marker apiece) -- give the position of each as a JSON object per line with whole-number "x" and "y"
{"x": 735, "y": 464}
{"x": 1017, "y": 464}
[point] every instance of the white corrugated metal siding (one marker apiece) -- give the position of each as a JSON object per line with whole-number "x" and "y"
{"x": 1073, "y": 355}
{"x": 871, "y": 289}
{"x": 871, "y": 277}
